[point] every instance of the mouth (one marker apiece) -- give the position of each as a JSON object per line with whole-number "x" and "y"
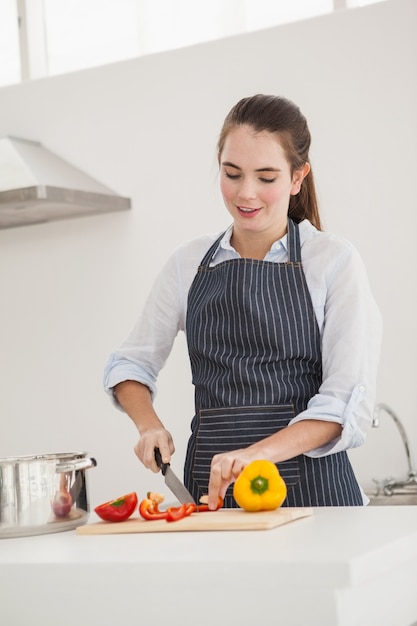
{"x": 247, "y": 212}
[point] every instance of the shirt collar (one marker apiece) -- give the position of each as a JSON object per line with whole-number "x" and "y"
{"x": 226, "y": 245}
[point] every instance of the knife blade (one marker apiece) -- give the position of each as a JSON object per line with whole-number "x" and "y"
{"x": 172, "y": 482}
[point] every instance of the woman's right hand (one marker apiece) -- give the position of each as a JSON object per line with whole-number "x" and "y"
{"x": 151, "y": 439}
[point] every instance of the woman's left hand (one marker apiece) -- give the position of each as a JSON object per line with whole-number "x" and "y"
{"x": 285, "y": 444}
{"x": 225, "y": 468}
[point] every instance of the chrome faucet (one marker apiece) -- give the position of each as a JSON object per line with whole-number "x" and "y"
{"x": 390, "y": 485}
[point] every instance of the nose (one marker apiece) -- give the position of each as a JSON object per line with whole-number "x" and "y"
{"x": 247, "y": 189}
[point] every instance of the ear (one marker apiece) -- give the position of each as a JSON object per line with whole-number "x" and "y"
{"x": 298, "y": 177}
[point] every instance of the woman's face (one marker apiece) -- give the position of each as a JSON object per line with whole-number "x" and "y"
{"x": 256, "y": 181}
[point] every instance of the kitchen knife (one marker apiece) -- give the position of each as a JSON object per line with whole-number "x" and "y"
{"x": 171, "y": 481}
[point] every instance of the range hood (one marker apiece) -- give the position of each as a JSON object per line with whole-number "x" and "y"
{"x": 38, "y": 186}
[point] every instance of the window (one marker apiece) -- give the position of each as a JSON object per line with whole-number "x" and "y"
{"x": 85, "y": 33}
{"x": 264, "y": 13}
{"x": 59, "y": 36}
{"x": 9, "y": 43}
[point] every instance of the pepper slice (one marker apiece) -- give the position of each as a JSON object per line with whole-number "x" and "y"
{"x": 175, "y": 513}
{"x": 149, "y": 507}
{"x": 191, "y": 508}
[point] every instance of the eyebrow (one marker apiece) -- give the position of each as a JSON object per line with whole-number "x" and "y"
{"x": 259, "y": 169}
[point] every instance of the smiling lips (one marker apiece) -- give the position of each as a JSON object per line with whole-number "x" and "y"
{"x": 246, "y": 212}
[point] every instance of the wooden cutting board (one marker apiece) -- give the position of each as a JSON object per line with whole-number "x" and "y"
{"x": 226, "y": 519}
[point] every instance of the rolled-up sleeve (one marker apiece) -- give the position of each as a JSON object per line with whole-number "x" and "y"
{"x": 146, "y": 349}
{"x": 351, "y": 332}
{"x": 144, "y": 353}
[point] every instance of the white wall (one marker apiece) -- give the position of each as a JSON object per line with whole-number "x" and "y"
{"x": 70, "y": 291}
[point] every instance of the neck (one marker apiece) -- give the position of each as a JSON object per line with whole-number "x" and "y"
{"x": 254, "y": 245}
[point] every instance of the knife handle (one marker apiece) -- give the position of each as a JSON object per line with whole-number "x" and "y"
{"x": 160, "y": 464}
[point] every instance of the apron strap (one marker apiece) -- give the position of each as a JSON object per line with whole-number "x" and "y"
{"x": 210, "y": 252}
{"x": 293, "y": 242}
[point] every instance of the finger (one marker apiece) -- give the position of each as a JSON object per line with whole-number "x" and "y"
{"x": 224, "y": 471}
{"x": 166, "y": 446}
{"x": 237, "y": 468}
{"x": 215, "y": 484}
{"x": 166, "y": 450}
{"x": 156, "y": 462}
{"x": 220, "y": 479}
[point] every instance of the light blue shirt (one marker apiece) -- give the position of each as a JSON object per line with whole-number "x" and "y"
{"x": 347, "y": 316}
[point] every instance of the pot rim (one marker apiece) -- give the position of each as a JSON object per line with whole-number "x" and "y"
{"x": 54, "y": 456}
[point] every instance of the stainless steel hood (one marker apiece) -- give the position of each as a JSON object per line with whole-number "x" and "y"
{"x": 38, "y": 186}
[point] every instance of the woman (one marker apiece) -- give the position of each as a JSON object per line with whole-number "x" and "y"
{"x": 282, "y": 330}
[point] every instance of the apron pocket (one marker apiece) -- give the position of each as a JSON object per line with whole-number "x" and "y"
{"x": 229, "y": 428}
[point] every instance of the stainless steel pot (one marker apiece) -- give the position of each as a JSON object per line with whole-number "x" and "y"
{"x": 43, "y": 494}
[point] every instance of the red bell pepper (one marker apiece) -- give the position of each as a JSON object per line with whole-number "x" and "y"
{"x": 118, "y": 510}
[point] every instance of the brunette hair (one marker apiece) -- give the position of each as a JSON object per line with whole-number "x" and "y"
{"x": 278, "y": 115}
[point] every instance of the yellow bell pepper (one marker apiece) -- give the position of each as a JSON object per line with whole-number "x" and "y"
{"x": 260, "y": 487}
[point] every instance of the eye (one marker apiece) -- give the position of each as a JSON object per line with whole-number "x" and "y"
{"x": 232, "y": 176}
{"x": 267, "y": 180}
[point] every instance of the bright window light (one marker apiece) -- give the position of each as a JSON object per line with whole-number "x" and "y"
{"x": 78, "y": 34}
{"x": 359, "y": 3}
{"x": 85, "y": 33}
{"x": 9, "y": 43}
{"x": 265, "y": 13}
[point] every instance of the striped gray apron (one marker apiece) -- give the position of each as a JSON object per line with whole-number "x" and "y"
{"x": 254, "y": 347}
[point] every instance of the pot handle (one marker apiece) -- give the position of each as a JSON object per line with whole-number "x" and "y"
{"x": 75, "y": 465}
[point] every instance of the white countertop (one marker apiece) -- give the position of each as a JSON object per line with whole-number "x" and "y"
{"x": 341, "y": 567}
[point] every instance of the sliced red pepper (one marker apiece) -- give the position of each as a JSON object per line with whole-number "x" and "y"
{"x": 191, "y": 508}
{"x": 118, "y": 510}
{"x": 149, "y": 510}
{"x": 176, "y": 513}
